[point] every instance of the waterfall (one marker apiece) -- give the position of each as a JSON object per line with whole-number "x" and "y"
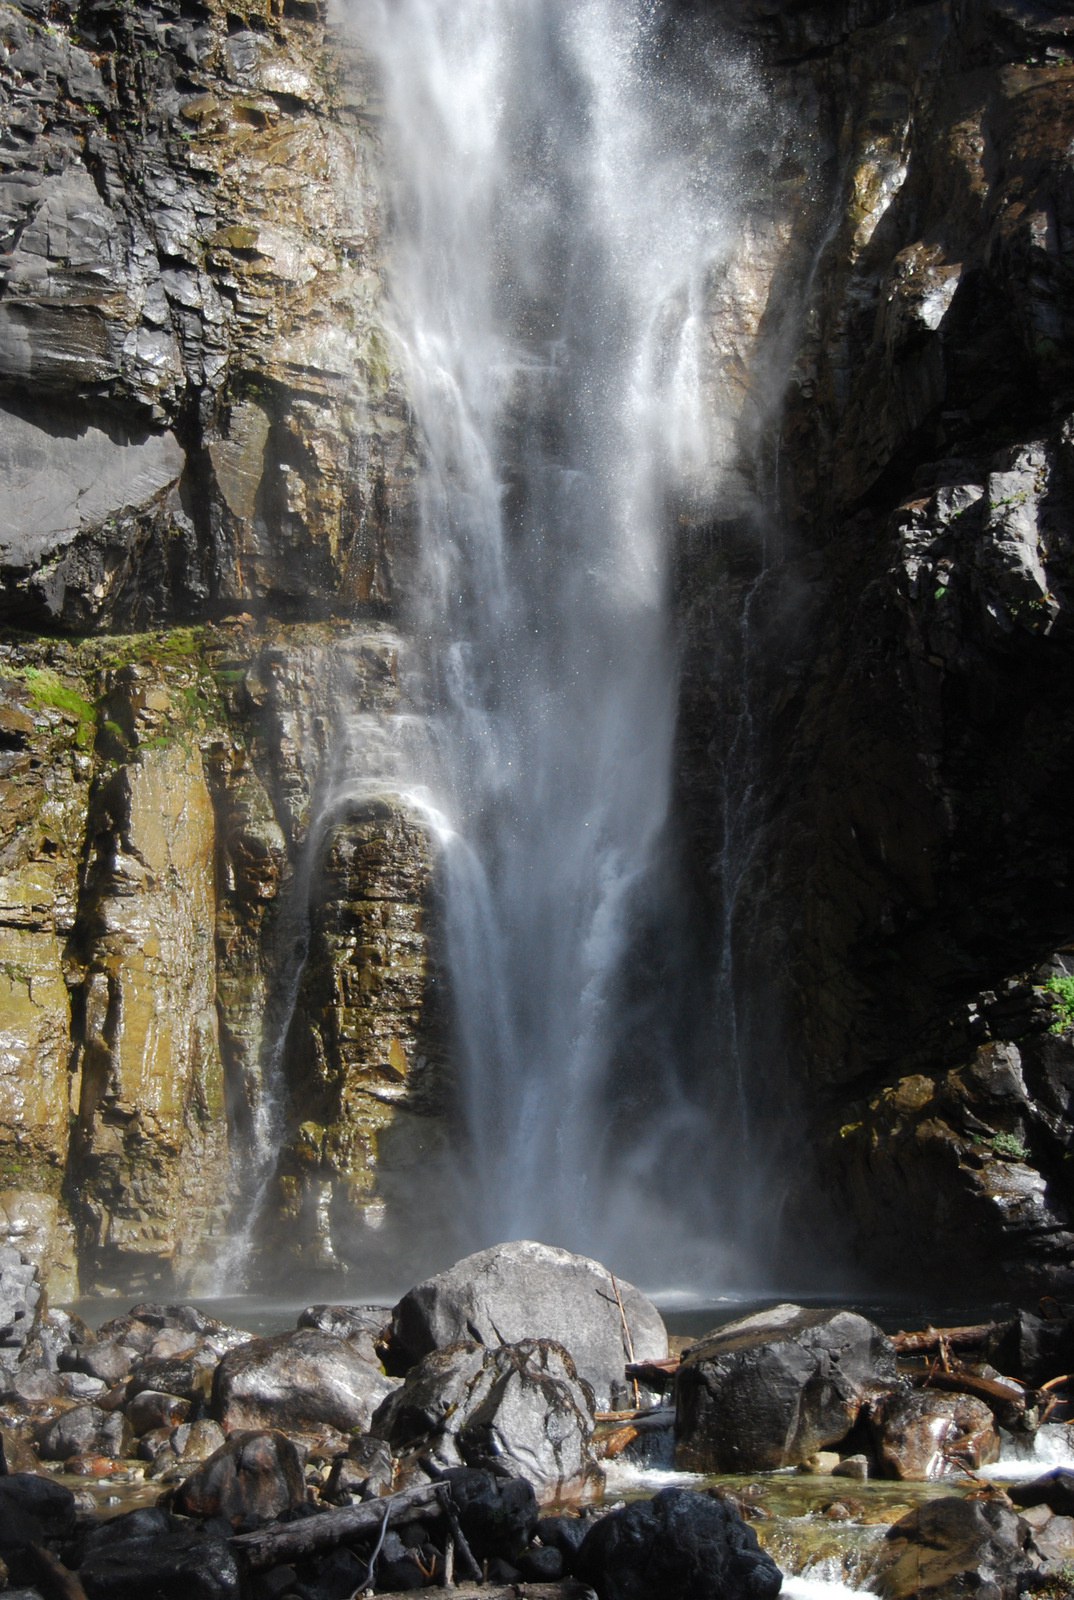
{"x": 564, "y": 192}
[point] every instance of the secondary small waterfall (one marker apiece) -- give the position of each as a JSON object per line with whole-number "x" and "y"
{"x": 564, "y": 190}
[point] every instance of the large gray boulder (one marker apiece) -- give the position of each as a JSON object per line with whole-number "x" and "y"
{"x": 517, "y": 1410}
{"x": 299, "y": 1383}
{"x": 771, "y": 1390}
{"x": 526, "y": 1290}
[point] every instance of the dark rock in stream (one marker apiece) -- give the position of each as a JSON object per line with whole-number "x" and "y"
{"x": 85, "y": 1431}
{"x": 1054, "y": 1490}
{"x": 771, "y": 1390}
{"x": 1035, "y": 1349}
{"x": 681, "y": 1545}
{"x": 252, "y": 1479}
{"x": 179, "y": 1564}
{"x": 526, "y": 1290}
{"x": 498, "y": 1516}
{"x": 948, "y": 1548}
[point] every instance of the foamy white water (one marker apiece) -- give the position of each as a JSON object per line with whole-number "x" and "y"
{"x": 564, "y": 188}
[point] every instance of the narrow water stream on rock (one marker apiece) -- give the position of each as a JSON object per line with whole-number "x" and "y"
{"x": 566, "y": 184}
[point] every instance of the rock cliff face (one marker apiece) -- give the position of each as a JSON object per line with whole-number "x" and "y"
{"x": 207, "y": 459}
{"x": 913, "y": 847}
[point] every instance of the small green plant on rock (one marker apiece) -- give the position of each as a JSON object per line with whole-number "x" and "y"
{"x": 1008, "y": 1144}
{"x": 1061, "y": 987}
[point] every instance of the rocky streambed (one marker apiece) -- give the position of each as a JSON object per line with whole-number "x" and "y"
{"x": 519, "y": 1424}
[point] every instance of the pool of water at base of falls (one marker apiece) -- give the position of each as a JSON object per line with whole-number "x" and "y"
{"x": 820, "y": 1530}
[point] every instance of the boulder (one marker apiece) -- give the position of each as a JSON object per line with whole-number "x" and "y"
{"x": 771, "y": 1390}
{"x": 186, "y": 1377}
{"x": 1054, "y": 1490}
{"x": 150, "y": 1409}
{"x": 1035, "y": 1349}
{"x": 681, "y": 1545}
{"x": 169, "y": 1323}
{"x": 196, "y": 1441}
{"x": 85, "y": 1431}
{"x": 526, "y": 1290}
{"x": 297, "y": 1382}
{"x": 923, "y": 1434}
{"x": 252, "y": 1479}
{"x": 31, "y": 1494}
{"x": 520, "y": 1410}
{"x": 366, "y": 1469}
{"x": 346, "y": 1322}
{"x": 182, "y": 1564}
{"x": 497, "y": 1515}
{"x": 108, "y": 1359}
{"x": 952, "y": 1547}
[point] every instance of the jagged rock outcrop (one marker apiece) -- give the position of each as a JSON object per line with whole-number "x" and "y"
{"x": 165, "y": 796}
{"x": 910, "y": 641}
{"x": 196, "y": 402}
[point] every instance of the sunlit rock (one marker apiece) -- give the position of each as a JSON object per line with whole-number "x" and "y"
{"x": 517, "y": 1409}
{"x": 924, "y": 1435}
{"x": 528, "y": 1290}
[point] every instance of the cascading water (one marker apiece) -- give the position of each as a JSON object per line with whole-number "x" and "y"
{"x": 564, "y": 190}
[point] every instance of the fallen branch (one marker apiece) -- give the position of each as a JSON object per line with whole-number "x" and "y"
{"x": 935, "y": 1338}
{"x": 626, "y": 1334}
{"x": 283, "y": 1542}
{"x": 569, "y": 1589}
{"x": 990, "y": 1390}
{"x": 53, "y": 1578}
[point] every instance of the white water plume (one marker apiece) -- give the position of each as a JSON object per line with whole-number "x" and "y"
{"x": 564, "y": 187}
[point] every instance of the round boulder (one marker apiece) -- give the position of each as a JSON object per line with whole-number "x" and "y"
{"x": 770, "y": 1390}
{"x": 85, "y": 1431}
{"x": 923, "y": 1434}
{"x": 526, "y": 1290}
{"x": 953, "y": 1547}
{"x": 681, "y": 1545}
{"x": 297, "y": 1382}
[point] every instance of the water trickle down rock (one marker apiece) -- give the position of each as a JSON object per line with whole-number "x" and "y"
{"x": 150, "y": 1146}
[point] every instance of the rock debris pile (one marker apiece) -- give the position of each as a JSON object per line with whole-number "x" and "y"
{"x": 441, "y": 1445}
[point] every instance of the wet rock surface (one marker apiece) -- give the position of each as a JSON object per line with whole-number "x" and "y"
{"x": 950, "y": 1546}
{"x": 299, "y": 1382}
{"x": 677, "y": 1544}
{"x": 771, "y": 1390}
{"x": 923, "y": 1435}
{"x": 253, "y": 1478}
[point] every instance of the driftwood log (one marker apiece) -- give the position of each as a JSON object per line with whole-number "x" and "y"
{"x": 283, "y": 1542}
{"x": 569, "y": 1589}
{"x": 54, "y": 1580}
{"x": 1007, "y": 1399}
{"x": 935, "y": 1338}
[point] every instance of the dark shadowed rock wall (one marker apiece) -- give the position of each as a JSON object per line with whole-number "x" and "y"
{"x": 913, "y": 641}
